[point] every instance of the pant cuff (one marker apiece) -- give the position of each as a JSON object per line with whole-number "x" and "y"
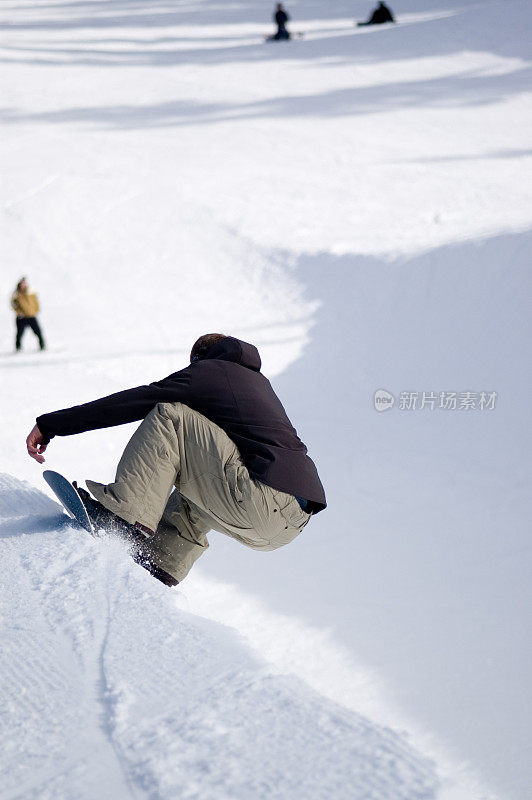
{"x": 122, "y": 509}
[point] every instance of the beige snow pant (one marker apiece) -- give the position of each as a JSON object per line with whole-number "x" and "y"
{"x": 176, "y": 446}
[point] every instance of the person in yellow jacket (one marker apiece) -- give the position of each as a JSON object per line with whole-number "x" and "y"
{"x": 26, "y": 306}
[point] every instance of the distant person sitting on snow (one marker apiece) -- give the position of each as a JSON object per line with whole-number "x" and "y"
{"x": 215, "y": 431}
{"x": 280, "y": 18}
{"x": 380, "y": 15}
{"x": 26, "y": 306}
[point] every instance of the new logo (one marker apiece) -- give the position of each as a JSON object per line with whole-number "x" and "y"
{"x": 383, "y": 400}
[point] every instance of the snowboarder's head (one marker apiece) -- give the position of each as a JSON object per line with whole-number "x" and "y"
{"x": 200, "y": 347}
{"x": 22, "y": 285}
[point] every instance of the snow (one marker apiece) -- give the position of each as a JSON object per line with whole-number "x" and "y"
{"x": 113, "y": 691}
{"x": 356, "y": 203}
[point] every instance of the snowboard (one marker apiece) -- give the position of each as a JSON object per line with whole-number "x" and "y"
{"x": 71, "y": 501}
{"x": 69, "y": 498}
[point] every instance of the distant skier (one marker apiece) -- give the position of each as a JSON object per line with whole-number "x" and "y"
{"x": 379, "y": 16}
{"x": 280, "y": 18}
{"x": 26, "y": 306}
{"x": 215, "y": 431}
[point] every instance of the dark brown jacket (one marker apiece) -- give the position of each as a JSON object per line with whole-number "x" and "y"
{"x": 227, "y": 387}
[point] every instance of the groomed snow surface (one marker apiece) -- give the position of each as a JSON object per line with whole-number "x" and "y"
{"x": 357, "y": 203}
{"x": 114, "y": 692}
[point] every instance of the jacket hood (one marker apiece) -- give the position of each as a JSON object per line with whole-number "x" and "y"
{"x": 231, "y": 349}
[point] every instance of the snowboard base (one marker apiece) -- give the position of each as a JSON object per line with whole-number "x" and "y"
{"x": 69, "y": 498}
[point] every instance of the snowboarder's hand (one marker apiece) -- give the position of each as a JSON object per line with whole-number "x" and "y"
{"x": 35, "y": 446}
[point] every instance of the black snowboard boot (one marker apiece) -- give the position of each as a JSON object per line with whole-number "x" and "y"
{"x": 143, "y": 558}
{"x": 137, "y": 534}
{"x": 101, "y": 517}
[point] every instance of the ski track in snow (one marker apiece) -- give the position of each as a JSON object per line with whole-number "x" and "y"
{"x": 65, "y": 640}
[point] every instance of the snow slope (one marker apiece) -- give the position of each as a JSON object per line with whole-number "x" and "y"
{"x": 186, "y": 712}
{"x": 357, "y": 204}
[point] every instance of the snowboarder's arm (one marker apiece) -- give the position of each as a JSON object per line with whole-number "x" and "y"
{"x": 115, "y": 409}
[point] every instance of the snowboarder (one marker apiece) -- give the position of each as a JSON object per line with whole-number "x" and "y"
{"x": 380, "y": 15}
{"x": 280, "y": 18}
{"x": 215, "y": 431}
{"x": 26, "y": 306}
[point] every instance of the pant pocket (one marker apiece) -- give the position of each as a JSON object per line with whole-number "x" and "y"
{"x": 290, "y": 510}
{"x": 237, "y": 478}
